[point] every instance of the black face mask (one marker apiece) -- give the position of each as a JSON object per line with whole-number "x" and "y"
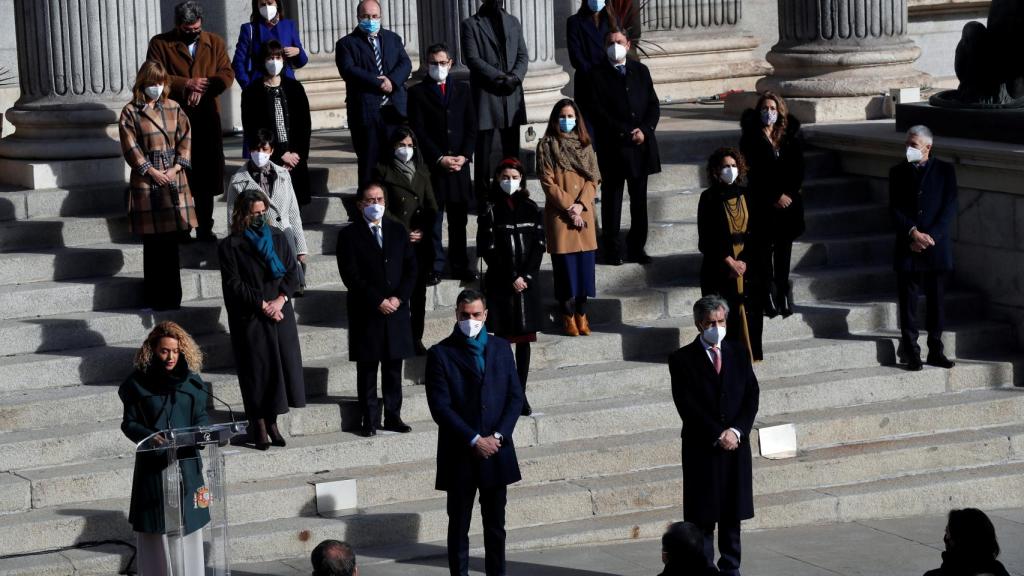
{"x": 189, "y": 37}
{"x": 258, "y": 221}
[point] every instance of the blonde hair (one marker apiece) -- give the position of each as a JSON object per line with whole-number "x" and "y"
{"x": 150, "y": 73}
{"x": 186, "y": 346}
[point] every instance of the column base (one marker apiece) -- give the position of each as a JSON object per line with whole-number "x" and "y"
{"x": 542, "y": 89}
{"x": 326, "y": 93}
{"x": 814, "y": 110}
{"x": 47, "y": 174}
{"x": 705, "y": 65}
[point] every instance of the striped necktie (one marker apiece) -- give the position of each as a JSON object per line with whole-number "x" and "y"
{"x": 375, "y": 43}
{"x": 377, "y": 235}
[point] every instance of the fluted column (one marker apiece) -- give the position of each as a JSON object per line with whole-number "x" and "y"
{"x": 77, "y": 61}
{"x": 698, "y": 47}
{"x": 321, "y": 24}
{"x": 830, "y": 50}
{"x": 439, "y": 21}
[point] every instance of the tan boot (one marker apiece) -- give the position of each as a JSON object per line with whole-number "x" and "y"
{"x": 582, "y": 325}
{"x": 570, "y": 325}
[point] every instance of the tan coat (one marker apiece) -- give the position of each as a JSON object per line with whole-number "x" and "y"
{"x": 157, "y": 136}
{"x": 562, "y": 189}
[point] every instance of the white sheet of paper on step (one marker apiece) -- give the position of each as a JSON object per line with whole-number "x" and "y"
{"x": 777, "y": 442}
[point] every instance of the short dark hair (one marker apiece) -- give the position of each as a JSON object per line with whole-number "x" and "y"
{"x": 439, "y": 47}
{"x": 262, "y": 137}
{"x": 973, "y": 536}
{"x": 188, "y": 12}
{"x": 361, "y": 194}
{"x": 333, "y": 558}
{"x": 683, "y": 545}
{"x": 468, "y": 296}
{"x": 271, "y": 49}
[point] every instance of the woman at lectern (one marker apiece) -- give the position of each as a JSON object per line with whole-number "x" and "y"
{"x": 165, "y": 391}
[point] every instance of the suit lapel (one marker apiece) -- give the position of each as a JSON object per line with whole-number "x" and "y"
{"x": 488, "y": 31}
{"x": 702, "y": 360}
{"x": 367, "y": 233}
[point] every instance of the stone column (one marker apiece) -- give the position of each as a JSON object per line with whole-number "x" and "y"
{"x": 77, "y": 61}
{"x": 835, "y": 58}
{"x": 697, "y": 47}
{"x": 321, "y": 24}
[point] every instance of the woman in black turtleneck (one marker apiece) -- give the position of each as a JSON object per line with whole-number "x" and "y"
{"x": 728, "y": 239}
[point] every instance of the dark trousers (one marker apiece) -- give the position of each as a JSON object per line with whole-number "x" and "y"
{"x": 390, "y": 387}
{"x": 611, "y": 214}
{"x": 418, "y": 302}
{"x": 370, "y": 136}
{"x": 458, "y": 219}
{"x": 205, "y": 182}
{"x": 483, "y": 166}
{"x": 161, "y": 270}
{"x": 910, "y": 285}
{"x": 492, "y": 511}
{"x": 728, "y": 546}
{"x": 778, "y": 265}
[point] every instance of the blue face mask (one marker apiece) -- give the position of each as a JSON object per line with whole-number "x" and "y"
{"x": 369, "y": 25}
{"x": 567, "y": 124}
{"x": 596, "y": 5}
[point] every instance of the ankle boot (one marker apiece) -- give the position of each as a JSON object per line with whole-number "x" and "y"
{"x": 569, "y": 325}
{"x": 582, "y": 324}
{"x": 786, "y": 301}
{"x": 771, "y": 299}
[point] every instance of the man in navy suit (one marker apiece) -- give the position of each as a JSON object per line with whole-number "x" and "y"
{"x": 716, "y": 394}
{"x": 474, "y": 396}
{"x": 922, "y": 200}
{"x": 442, "y": 115}
{"x": 375, "y": 66}
{"x": 377, "y": 263}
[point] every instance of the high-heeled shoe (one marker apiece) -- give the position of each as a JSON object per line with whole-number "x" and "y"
{"x": 569, "y": 325}
{"x": 276, "y": 439}
{"x": 260, "y": 439}
{"x": 582, "y": 324}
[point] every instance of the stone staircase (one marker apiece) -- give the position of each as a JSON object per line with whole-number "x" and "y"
{"x": 600, "y": 459}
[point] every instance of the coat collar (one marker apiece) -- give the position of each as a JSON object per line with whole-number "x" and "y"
{"x": 700, "y": 357}
{"x": 465, "y": 359}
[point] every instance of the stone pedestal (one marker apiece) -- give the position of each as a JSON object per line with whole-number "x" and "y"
{"x": 835, "y": 58}
{"x": 321, "y": 24}
{"x": 697, "y": 48}
{"x": 77, "y": 61}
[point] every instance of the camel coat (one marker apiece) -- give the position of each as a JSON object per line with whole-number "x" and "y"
{"x": 562, "y": 189}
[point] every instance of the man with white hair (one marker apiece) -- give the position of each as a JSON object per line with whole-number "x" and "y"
{"x": 922, "y": 201}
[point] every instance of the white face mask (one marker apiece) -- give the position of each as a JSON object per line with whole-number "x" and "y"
{"x": 154, "y": 92}
{"x": 714, "y": 335}
{"x": 404, "y": 153}
{"x": 438, "y": 73}
{"x": 510, "y": 186}
{"x": 260, "y": 159}
{"x": 268, "y": 12}
{"x": 616, "y": 52}
{"x": 471, "y": 327}
{"x": 373, "y": 212}
{"x": 914, "y": 155}
{"x": 274, "y": 66}
{"x": 730, "y": 174}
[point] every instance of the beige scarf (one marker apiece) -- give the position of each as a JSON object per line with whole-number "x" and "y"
{"x": 568, "y": 154}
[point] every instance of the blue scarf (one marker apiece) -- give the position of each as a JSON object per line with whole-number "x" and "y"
{"x": 476, "y": 345}
{"x": 263, "y": 241}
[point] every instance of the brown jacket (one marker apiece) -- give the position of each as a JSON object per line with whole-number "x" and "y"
{"x": 157, "y": 136}
{"x": 562, "y": 189}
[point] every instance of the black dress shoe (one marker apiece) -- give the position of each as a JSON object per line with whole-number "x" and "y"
{"x": 527, "y": 410}
{"x": 940, "y": 361}
{"x": 433, "y": 279}
{"x": 367, "y": 431}
{"x": 640, "y": 258}
{"x": 613, "y": 259}
{"x": 397, "y": 426}
{"x": 262, "y": 445}
{"x": 914, "y": 365}
{"x": 206, "y": 236}
{"x": 466, "y": 276}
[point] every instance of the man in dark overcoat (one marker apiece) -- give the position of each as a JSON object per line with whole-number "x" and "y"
{"x": 922, "y": 201}
{"x": 716, "y": 394}
{"x": 625, "y": 117}
{"x": 475, "y": 397}
{"x": 442, "y": 114}
{"x": 198, "y": 70}
{"x": 378, "y": 266}
{"x": 374, "y": 64}
{"x": 494, "y": 50}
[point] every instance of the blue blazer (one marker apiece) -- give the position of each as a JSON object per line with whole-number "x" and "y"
{"x": 247, "y": 63}
{"x": 358, "y": 67}
{"x": 585, "y": 42}
{"x": 465, "y": 403}
{"x": 927, "y": 200}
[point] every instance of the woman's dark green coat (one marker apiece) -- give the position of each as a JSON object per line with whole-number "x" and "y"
{"x": 155, "y": 401}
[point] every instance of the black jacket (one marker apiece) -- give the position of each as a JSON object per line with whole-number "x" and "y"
{"x": 771, "y": 175}
{"x": 924, "y": 197}
{"x": 258, "y": 112}
{"x": 715, "y": 242}
{"x": 410, "y": 202}
{"x": 445, "y": 126}
{"x": 952, "y": 566}
{"x": 625, "y": 103}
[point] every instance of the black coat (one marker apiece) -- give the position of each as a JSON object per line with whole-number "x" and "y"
{"x": 258, "y": 112}
{"x": 465, "y": 403}
{"x": 511, "y": 240}
{"x": 715, "y": 243}
{"x": 771, "y": 175}
{"x": 372, "y": 274}
{"x": 497, "y": 105}
{"x": 926, "y": 198}
{"x": 357, "y": 64}
{"x": 445, "y": 126}
{"x": 709, "y": 404}
{"x": 625, "y": 103}
{"x": 268, "y": 358}
{"x": 411, "y": 203}
{"x": 952, "y": 566}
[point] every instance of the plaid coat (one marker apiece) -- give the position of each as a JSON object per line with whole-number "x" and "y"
{"x": 157, "y": 136}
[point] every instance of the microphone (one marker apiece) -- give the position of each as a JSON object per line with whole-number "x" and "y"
{"x": 234, "y": 423}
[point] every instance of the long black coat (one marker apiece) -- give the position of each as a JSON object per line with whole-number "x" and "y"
{"x": 927, "y": 198}
{"x": 155, "y": 401}
{"x": 511, "y": 240}
{"x": 465, "y": 403}
{"x": 717, "y": 483}
{"x": 771, "y": 175}
{"x": 258, "y": 112}
{"x": 372, "y": 274}
{"x": 488, "y": 58}
{"x": 625, "y": 103}
{"x": 715, "y": 243}
{"x": 268, "y": 359}
{"x": 445, "y": 126}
